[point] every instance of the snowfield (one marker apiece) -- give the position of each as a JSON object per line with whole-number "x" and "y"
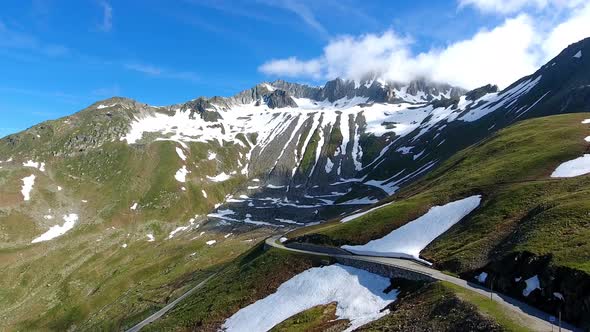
{"x": 28, "y": 184}
{"x": 57, "y": 230}
{"x": 408, "y": 240}
{"x": 358, "y": 293}
{"x": 180, "y": 175}
{"x": 219, "y": 177}
{"x": 38, "y": 165}
{"x": 241, "y": 119}
{"x": 572, "y": 168}
{"x": 180, "y": 154}
{"x": 575, "y": 167}
{"x": 360, "y": 214}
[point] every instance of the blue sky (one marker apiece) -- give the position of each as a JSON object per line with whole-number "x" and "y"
{"x": 59, "y": 56}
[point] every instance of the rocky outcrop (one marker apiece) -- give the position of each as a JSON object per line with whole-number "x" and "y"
{"x": 279, "y": 99}
{"x": 481, "y": 91}
{"x": 560, "y": 288}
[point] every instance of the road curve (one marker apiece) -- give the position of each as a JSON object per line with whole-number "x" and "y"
{"x": 169, "y": 306}
{"x": 527, "y": 315}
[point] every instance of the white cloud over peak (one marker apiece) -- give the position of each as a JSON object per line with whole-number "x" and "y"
{"x": 293, "y": 67}
{"x": 501, "y": 55}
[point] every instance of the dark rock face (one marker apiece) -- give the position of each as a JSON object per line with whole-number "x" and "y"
{"x": 481, "y": 91}
{"x": 203, "y": 107}
{"x": 510, "y": 273}
{"x": 369, "y": 88}
{"x": 279, "y": 99}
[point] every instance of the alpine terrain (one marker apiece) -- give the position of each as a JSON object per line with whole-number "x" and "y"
{"x": 110, "y": 214}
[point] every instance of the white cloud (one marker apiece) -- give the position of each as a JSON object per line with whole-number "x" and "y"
{"x": 576, "y": 27}
{"x": 515, "y": 48}
{"x": 107, "y": 16}
{"x": 293, "y": 67}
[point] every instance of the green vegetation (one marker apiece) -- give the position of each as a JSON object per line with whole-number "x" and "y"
{"x": 523, "y": 208}
{"x": 501, "y": 314}
{"x": 334, "y": 141}
{"x": 442, "y": 306}
{"x": 308, "y": 159}
{"x": 104, "y": 274}
{"x": 248, "y": 278}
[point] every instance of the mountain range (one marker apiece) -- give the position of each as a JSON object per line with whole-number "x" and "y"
{"x": 87, "y": 199}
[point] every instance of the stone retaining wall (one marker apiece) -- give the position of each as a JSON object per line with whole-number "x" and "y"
{"x": 385, "y": 270}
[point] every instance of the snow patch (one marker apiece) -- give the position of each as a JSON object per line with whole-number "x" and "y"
{"x": 405, "y": 149}
{"x": 57, "y": 230}
{"x": 219, "y": 177}
{"x": 133, "y": 207}
{"x": 180, "y": 153}
{"x": 531, "y": 284}
{"x": 211, "y": 242}
{"x": 481, "y": 278}
{"x": 151, "y": 237}
{"x": 27, "y": 187}
{"x": 360, "y": 201}
{"x": 38, "y": 165}
{"x": 411, "y": 238}
{"x": 180, "y": 175}
{"x": 204, "y": 193}
{"x": 578, "y": 55}
{"x": 358, "y": 294}
{"x": 329, "y": 165}
{"x": 572, "y": 168}
{"x": 360, "y": 214}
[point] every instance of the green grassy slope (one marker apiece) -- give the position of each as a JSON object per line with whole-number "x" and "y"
{"x": 524, "y": 212}
{"x": 252, "y": 276}
{"x": 444, "y": 307}
{"x": 86, "y": 279}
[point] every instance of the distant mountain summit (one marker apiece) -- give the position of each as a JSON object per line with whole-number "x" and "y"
{"x": 374, "y": 90}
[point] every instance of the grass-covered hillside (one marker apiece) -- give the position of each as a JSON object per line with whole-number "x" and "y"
{"x": 259, "y": 272}
{"x": 527, "y": 225}
{"x": 140, "y": 235}
{"x": 252, "y": 276}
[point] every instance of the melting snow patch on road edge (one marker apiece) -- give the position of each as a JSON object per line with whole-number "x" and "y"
{"x": 531, "y": 284}
{"x": 408, "y": 240}
{"x": 57, "y": 230}
{"x": 572, "y": 168}
{"x": 481, "y": 278}
{"x": 358, "y": 293}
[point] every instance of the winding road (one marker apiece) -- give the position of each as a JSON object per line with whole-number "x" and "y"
{"x": 525, "y": 314}
{"x": 168, "y": 307}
